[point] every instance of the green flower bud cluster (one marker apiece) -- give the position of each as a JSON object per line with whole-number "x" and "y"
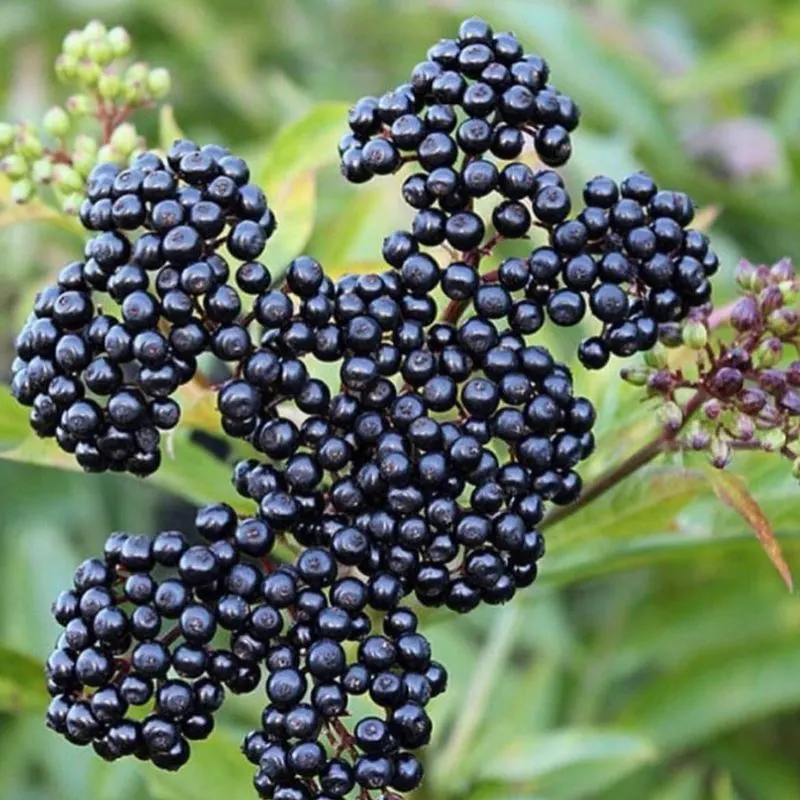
{"x": 56, "y": 156}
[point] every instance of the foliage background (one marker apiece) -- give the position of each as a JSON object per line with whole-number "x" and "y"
{"x": 658, "y": 656}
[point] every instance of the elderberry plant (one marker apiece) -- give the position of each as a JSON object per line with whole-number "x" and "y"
{"x": 424, "y": 475}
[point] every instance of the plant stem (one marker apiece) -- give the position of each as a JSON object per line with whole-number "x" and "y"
{"x": 627, "y": 467}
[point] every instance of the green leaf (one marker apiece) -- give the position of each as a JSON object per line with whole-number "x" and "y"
{"x": 648, "y": 502}
{"x": 216, "y": 769}
{"x": 294, "y": 202}
{"x": 13, "y": 421}
{"x": 539, "y": 759}
{"x": 733, "y": 492}
{"x": 22, "y": 684}
{"x": 168, "y": 128}
{"x": 685, "y": 708}
{"x": 305, "y": 145}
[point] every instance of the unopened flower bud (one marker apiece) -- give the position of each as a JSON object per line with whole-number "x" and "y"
{"x": 656, "y": 357}
{"x": 783, "y": 322}
{"x": 751, "y": 400}
{"x": 695, "y": 335}
{"x": 743, "y": 427}
{"x": 6, "y": 135}
{"x": 123, "y": 139}
{"x": 56, "y": 122}
{"x": 88, "y": 73}
{"x": 22, "y": 191}
{"x": 712, "y": 409}
{"x": 100, "y": 51}
{"x": 720, "y": 453}
{"x": 770, "y": 299}
{"x": 772, "y": 381}
{"x": 745, "y": 273}
{"x": 761, "y": 278}
{"x": 698, "y": 437}
{"x": 636, "y": 376}
{"x": 790, "y": 291}
{"x": 660, "y": 382}
{"x": 94, "y": 30}
{"x": 110, "y": 155}
{"x": 29, "y": 145}
{"x": 793, "y": 373}
{"x": 768, "y": 353}
{"x": 773, "y": 440}
{"x": 109, "y": 87}
{"x": 79, "y": 105}
{"x": 670, "y": 416}
{"x": 790, "y": 401}
{"x": 120, "y": 41}
{"x": 66, "y": 68}
{"x": 782, "y": 270}
{"x": 159, "y": 83}
{"x": 71, "y": 203}
{"x": 74, "y": 44}
{"x": 745, "y": 314}
{"x": 726, "y": 382}
{"x": 768, "y": 417}
{"x": 67, "y": 178}
{"x": 15, "y": 166}
{"x": 42, "y": 171}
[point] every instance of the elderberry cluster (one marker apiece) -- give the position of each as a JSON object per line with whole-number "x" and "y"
{"x": 424, "y": 474}
{"x": 99, "y": 373}
{"x": 167, "y": 625}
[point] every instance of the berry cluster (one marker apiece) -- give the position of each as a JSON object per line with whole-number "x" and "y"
{"x": 101, "y": 382}
{"x": 146, "y": 626}
{"x": 424, "y": 474}
{"x": 627, "y": 257}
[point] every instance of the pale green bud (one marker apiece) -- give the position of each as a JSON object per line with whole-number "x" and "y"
{"x": 6, "y": 135}
{"x": 94, "y": 30}
{"x": 124, "y": 139}
{"x": 22, "y": 191}
{"x": 15, "y": 166}
{"x": 42, "y": 171}
{"x": 67, "y": 68}
{"x": 67, "y": 178}
{"x": 79, "y": 105}
{"x": 720, "y": 453}
{"x": 100, "y": 51}
{"x": 109, "y": 87}
{"x": 29, "y": 145}
{"x": 159, "y": 83}
{"x": 71, "y": 203}
{"x": 56, "y": 122}
{"x": 670, "y": 416}
{"x": 657, "y": 356}
{"x": 773, "y": 440}
{"x": 695, "y": 335}
{"x": 120, "y": 41}
{"x": 636, "y": 376}
{"x": 88, "y": 73}
{"x": 74, "y": 45}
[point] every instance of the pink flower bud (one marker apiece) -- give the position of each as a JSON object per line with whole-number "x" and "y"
{"x": 782, "y": 270}
{"x": 751, "y": 400}
{"x": 772, "y": 381}
{"x": 791, "y": 402}
{"x": 745, "y": 314}
{"x": 712, "y": 409}
{"x": 721, "y": 453}
{"x": 771, "y": 299}
{"x": 726, "y": 382}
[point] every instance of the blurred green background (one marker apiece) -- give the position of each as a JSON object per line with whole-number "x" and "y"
{"x": 659, "y": 655}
